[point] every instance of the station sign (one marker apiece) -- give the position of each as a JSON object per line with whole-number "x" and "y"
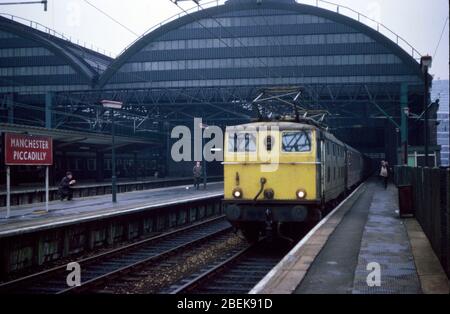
{"x": 22, "y": 149}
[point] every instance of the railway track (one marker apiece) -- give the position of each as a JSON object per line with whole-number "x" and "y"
{"x": 237, "y": 274}
{"x": 156, "y": 277}
{"x": 103, "y": 267}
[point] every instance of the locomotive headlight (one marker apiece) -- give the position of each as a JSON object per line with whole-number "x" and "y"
{"x": 301, "y": 194}
{"x": 269, "y": 194}
{"x": 237, "y": 193}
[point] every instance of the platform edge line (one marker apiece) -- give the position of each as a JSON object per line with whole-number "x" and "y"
{"x": 261, "y": 285}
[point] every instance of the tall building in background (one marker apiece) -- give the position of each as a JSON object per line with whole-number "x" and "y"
{"x": 440, "y": 91}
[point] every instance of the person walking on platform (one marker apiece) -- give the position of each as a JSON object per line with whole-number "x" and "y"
{"x": 197, "y": 172}
{"x": 384, "y": 173}
{"x": 65, "y": 187}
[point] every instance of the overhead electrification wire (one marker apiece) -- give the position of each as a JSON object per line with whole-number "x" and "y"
{"x": 237, "y": 38}
{"x": 242, "y": 45}
{"x": 240, "y": 42}
{"x": 140, "y": 77}
{"x": 111, "y": 18}
{"x": 442, "y": 34}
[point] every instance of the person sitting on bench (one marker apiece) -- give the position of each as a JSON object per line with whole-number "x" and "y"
{"x": 65, "y": 187}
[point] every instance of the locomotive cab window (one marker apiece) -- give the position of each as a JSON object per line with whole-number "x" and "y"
{"x": 241, "y": 142}
{"x": 296, "y": 141}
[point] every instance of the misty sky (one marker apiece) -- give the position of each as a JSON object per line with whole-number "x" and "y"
{"x": 420, "y": 22}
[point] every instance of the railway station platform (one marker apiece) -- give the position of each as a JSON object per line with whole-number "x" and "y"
{"x": 345, "y": 251}
{"x": 28, "y": 194}
{"x": 34, "y": 217}
{"x": 33, "y": 237}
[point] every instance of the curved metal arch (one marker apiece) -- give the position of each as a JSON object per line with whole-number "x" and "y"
{"x": 80, "y": 65}
{"x": 230, "y": 7}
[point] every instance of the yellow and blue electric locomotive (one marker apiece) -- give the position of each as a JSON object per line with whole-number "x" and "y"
{"x": 280, "y": 175}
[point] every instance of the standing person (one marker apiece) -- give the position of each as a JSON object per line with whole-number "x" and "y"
{"x": 65, "y": 187}
{"x": 384, "y": 172}
{"x": 197, "y": 172}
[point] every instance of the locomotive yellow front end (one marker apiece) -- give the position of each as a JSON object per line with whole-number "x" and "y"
{"x": 271, "y": 174}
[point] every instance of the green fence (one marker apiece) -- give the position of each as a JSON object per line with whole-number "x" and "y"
{"x": 431, "y": 199}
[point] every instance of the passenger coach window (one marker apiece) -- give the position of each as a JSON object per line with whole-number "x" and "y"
{"x": 241, "y": 142}
{"x": 294, "y": 142}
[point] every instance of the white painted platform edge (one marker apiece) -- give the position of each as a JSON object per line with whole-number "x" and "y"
{"x": 263, "y": 282}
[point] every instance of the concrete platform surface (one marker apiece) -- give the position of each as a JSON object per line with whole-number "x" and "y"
{"x": 30, "y": 188}
{"x": 363, "y": 235}
{"x": 26, "y": 218}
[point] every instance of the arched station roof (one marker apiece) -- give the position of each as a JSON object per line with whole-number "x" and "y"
{"x": 244, "y": 5}
{"x": 87, "y": 63}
